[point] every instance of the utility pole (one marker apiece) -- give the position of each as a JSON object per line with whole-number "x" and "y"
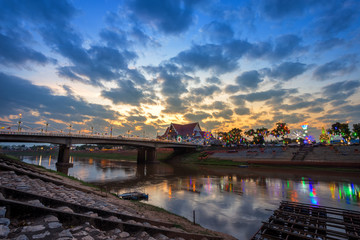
{"x": 19, "y": 128}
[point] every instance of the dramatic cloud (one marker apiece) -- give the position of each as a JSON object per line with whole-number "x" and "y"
{"x": 175, "y": 105}
{"x": 283, "y": 47}
{"x": 213, "y": 80}
{"x": 15, "y": 93}
{"x": 218, "y": 32}
{"x": 205, "y": 90}
{"x": 197, "y": 116}
{"x": 226, "y": 114}
{"x": 287, "y": 70}
{"x": 215, "y": 105}
{"x": 277, "y": 9}
{"x": 328, "y": 44}
{"x": 125, "y": 94}
{"x": 337, "y": 67}
{"x": 338, "y": 18}
{"x": 242, "y": 111}
{"x": 172, "y": 84}
{"x": 206, "y": 57}
{"x": 13, "y": 52}
{"x": 116, "y": 38}
{"x": 232, "y": 88}
{"x": 341, "y": 90}
{"x": 262, "y": 96}
{"x": 249, "y": 80}
{"x": 171, "y": 17}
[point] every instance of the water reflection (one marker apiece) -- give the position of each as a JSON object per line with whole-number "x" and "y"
{"x": 231, "y": 203}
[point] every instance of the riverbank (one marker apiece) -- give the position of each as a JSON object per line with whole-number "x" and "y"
{"x": 124, "y": 155}
{"x": 66, "y": 189}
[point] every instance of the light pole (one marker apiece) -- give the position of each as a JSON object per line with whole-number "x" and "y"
{"x": 70, "y": 129}
{"x": 92, "y": 130}
{"x": 19, "y": 129}
{"x": 110, "y": 131}
{"x": 46, "y": 126}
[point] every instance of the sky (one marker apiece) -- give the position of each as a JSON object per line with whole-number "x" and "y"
{"x": 136, "y": 66}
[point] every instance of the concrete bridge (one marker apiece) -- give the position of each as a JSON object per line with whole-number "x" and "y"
{"x": 146, "y": 147}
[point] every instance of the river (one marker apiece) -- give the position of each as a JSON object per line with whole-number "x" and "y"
{"x": 229, "y": 200}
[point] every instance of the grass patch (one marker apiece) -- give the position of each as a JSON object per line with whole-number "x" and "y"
{"x": 200, "y": 159}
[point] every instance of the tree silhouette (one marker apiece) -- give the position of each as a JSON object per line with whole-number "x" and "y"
{"x": 356, "y": 130}
{"x": 280, "y": 130}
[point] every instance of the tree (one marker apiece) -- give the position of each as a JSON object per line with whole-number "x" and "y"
{"x": 280, "y": 130}
{"x": 234, "y": 136}
{"x": 324, "y": 137}
{"x": 258, "y": 135}
{"x": 356, "y": 130}
{"x": 341, "y": 129}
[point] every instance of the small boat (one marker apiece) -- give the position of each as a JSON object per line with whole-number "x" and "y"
{"x": 243, "y": 166}
{"x": 134, "y": 196}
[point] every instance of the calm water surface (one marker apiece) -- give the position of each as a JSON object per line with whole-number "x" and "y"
{"x": 234, "y": 203}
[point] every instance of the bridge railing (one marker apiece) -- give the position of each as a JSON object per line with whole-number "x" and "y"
{"x": 50, "y": 134}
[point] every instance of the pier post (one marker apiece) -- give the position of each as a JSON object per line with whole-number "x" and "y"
{"x": 150, "y": 155}
{"x": 62, "y": 164}
{"x": 141, "y": 155}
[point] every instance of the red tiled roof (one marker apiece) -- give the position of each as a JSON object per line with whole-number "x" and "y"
{"x": 185, "y": 130}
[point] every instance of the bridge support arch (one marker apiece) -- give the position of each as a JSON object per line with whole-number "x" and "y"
{"x": 62, "y": 164}
{"x": 146, "y": 155}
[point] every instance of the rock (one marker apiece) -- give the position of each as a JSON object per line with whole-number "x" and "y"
{"x": 80, "y": 234}
{"x": 36, "y": 203}
{"x": 5, "y": 221}
{"x": 75, "y": 229}
{"x": 87, "y": 238}
{"x": 4, "y": 231}
{"x": 1, "y": 196}
{"x": 92, "y": 214}
{"x": 22, "y": 187}
{"x": 124, "y": 234}
{"x": 51, "y": 218}
{"x": 35, "y": 228}
{"x": 114, "y": 231}
{"x": 113, "y": 218}
{"x": 41, "y": 235}
{"x": 2, "y": 211}
{"x": 65, "y": 209}
{"x": 66, "y": 234}
{"x": 144, "y": 235}
{"x": 53, "y": 225}
{"x": 160, "y": 236}
{"x": 22, "y": 237}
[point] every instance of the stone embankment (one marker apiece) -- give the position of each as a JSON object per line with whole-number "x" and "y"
{"x": 36, "y": 206}
{"x": 332, "y": 156}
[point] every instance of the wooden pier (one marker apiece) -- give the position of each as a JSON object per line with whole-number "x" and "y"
{"x": 304, "y": 221}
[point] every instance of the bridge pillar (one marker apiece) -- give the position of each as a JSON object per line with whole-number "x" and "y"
{"x": 141, "y": 155}
{"x": 151, "y": 155}
{"x": 62, "y": 164}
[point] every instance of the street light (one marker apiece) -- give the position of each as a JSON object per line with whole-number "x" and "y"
{"x": 19, "y": 129}
{"x": 70, "y": 129}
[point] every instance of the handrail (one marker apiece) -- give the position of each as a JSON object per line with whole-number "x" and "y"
{"x": 94, "y": 137}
